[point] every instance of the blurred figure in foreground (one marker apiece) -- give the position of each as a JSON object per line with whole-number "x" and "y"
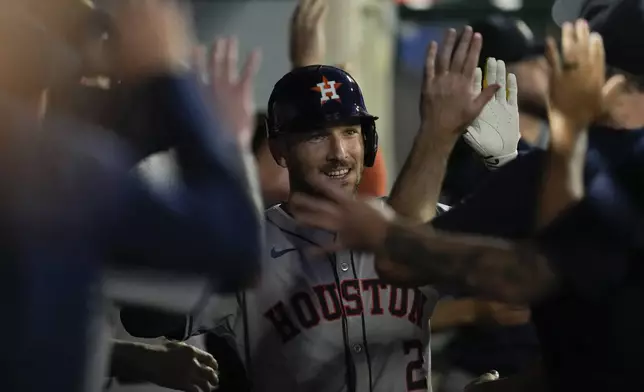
{"x": 70, "y": 205}
{"x": 583, "y": 283}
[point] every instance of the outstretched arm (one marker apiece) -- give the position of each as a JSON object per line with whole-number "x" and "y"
{"x": 193, "y": 224}
{"x": 189, "y": 228}
{"x": 412, "y": 255}
{"x": 447, "y": 107}
{"x": 498, "y": 269}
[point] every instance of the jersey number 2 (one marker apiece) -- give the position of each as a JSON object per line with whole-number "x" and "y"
{"x": 415, "y": 366}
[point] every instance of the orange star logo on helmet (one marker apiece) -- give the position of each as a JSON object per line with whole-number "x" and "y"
{"x": 327, "y": 90}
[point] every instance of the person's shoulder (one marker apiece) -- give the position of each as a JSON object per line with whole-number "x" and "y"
{"x": 277, "y": 223}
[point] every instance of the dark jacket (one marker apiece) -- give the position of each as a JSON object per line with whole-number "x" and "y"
{"x": 590, "y": 333}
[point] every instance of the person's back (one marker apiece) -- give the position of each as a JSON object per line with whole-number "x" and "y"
{"x": 70, "y": 206}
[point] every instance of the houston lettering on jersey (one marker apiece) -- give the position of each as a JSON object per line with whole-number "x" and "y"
{"x": 306, "y": 309}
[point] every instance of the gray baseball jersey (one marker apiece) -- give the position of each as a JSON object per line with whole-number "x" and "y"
{"x": 308, "y": 313}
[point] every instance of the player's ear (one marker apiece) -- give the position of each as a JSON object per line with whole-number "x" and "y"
{"x": 277, "y": 146}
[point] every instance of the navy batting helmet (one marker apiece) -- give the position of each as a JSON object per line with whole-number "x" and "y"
{"x": 319, "y": 96}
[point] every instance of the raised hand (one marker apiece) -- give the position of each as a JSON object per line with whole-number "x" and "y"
{"x": 494, "y": 134}
{"x": 578, "y": 89}
{"x": 446, "y": 105}
{"x": 359, "y": 225}
{"x": 578, "y": 95}
{"x": 307, "y": 38}
{"x": 232, "y": 93}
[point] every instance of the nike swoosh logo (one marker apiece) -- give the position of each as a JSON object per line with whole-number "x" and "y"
{"x": 279, "y": 253}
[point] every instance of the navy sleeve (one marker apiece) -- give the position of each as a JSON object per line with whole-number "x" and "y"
{"x": 503, "y": 206}
{"x": 466, "y": 171}
{"x": 589, "y": 246}
{"x": 211, "y": 225}
{"x": 594, "y": 244}
{"x": 464, "y": 174}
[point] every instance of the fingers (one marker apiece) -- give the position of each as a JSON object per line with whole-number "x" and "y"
{"x": 430, "y": 61}
{"x": 224, "y": 66}
{"x": 568, "y": 42}
{"x": 577, "y": 42}
{"x": 513, "y": 90}
{"x": 251, "y": 67}
{"x": 473, "y": 55}
{"x": 582, "y": 31}
{"x": 206, "y": 375}
{"x": 232, "y": 58}
{"x": 308, "y": 14}
{"x": 206, "y": 359}
{"x": 218, "y": 59}
{"x": 552, "y": 55}
{"x": 490, "y": 72}
{"x": 317, "y": 12}
{"x": 612, "y": 89}
{"x": 597, "y": 52}
{"x": 465, "y": 57}
{"x": 478, "y": 82}
{"x": 462, "y": 50}
{"x": 300, "y": 11}
{"x": 447, "y": 49}
{"x": 501, "y": 94}
{"x": 200, "y": 63}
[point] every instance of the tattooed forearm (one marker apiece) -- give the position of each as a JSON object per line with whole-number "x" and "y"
{"x": 490, "y": 267}
{"x": 405, "y": 246}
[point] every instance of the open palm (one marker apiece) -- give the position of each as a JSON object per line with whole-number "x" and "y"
{"x": 232, "y": 92}
{"x": 446, "y": 102}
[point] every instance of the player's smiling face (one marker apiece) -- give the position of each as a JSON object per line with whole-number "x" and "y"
{"x": 336, "y": 153}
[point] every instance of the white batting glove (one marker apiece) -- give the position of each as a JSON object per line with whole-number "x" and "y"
{"x": 495, "y": 132}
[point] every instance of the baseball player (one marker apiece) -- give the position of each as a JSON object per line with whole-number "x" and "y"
{"x": 318, "y": 322}
{"x": 325, "y": 322}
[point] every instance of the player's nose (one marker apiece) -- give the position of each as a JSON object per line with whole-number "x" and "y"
{"x": 337, "y": 147}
